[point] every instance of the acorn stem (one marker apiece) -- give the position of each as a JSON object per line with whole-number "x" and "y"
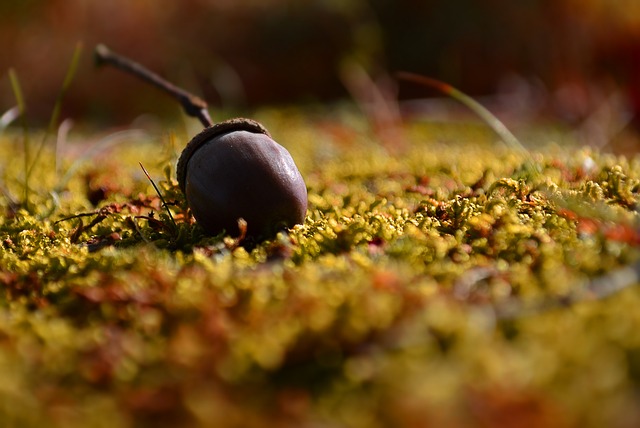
{"x": 193, "y": 106}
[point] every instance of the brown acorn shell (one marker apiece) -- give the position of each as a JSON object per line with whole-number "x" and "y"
{"x": 207, "y": 134}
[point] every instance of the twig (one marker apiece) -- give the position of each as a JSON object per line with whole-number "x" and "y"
{"x": 75, "y": 216}
{"x": 192, "y": 105}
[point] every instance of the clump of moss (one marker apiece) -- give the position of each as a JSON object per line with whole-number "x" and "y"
{"x": 442, "y": 286}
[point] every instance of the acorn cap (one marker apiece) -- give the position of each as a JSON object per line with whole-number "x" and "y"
{"x": 207, "y": 134}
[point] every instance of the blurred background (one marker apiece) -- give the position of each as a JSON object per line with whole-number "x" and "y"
{"x": 572, "y": 61}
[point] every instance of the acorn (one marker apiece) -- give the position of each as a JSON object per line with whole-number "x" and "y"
{"x": 231, "y": 170}
{"x": 234, "y": 170}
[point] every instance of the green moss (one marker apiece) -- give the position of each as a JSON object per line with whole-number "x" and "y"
{"x": 438, "y": 285}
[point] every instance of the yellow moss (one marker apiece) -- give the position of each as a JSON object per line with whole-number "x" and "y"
{"x": 393, "y": 302}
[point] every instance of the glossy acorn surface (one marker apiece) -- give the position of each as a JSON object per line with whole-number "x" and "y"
{"x": 233, "y": 170}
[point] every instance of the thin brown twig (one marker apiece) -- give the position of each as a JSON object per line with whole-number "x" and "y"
{"x": 193, "y": 106}
{"x": 75, "y": 216}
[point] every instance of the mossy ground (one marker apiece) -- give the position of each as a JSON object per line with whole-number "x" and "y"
{"x": 441, "y": 283}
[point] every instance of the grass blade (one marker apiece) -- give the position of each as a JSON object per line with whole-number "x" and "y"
{"x": 9, "y": 116}
{"x": 104, "y": 144}
{"x": 57, "y": 107}
{"x": 164, "y": 203}
{"x": 22, "y": 109}
{"x": 68, "y": 79}
{"x": 483, "y": 113}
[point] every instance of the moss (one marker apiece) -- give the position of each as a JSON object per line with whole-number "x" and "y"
{"x": 440, "y": 285}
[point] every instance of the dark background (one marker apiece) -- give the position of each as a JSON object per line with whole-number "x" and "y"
{"x": 566, "y": 57}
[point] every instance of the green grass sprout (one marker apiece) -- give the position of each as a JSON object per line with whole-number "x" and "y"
{"x": 57, "y": 107}
{"x": 489, "y": 118}
{"x": 164, "y": 203}
{"x": 26, "y": 143}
